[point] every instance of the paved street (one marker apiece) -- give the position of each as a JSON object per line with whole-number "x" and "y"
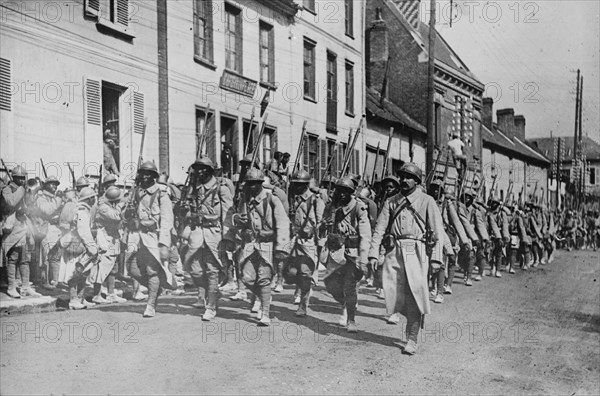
{"x": 530, "y": 333}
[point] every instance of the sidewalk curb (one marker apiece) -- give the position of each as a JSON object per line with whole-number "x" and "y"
{"x": 23, "y": 306}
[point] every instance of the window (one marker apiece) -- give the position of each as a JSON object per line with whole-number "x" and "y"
{"x": 203, "y": 27}
{"x": 233, "y": 39}
{"x": 310, "y": 152}
{"x": 309, "y": 5}
{"x": 349, "y": 18}
{"x": 349, "y": 88}
{"x": 269, "y": 144}
{"x": 592, "y": 180}
{"x": 267, "y": 53}
{"x": 309, "y": 69}
{"x": 209, "y": 140}
{"x": 112, "y": 14}
{"x": 331, "y": 92}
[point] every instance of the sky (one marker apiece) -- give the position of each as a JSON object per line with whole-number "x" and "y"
{"x": 527, "y": 54}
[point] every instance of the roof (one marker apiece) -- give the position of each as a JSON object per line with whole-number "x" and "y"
{"x": 390, "y": 112}
{"x": 443, "y": 52}
{"x": 514, "y": 147}
{"x": 591, "y": 148}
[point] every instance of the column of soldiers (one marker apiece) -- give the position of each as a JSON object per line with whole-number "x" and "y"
{"x": 252, "y": 235}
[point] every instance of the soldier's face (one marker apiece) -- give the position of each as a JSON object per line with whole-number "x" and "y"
{"x": 408, "y": 183}
{"x": 494, "y": 206}
{"x": 253, "y": 188}
{"x": 203, "y": 174}
{"x": 300, "y": 188}
{"x": 51, "y": 187}
{"x": 146, "y": 178}
{"x": 391, "y": 188}
{"x": 468, "y": 200}
{"x": 343, "y": 195}
{"x": 18, "y": 180}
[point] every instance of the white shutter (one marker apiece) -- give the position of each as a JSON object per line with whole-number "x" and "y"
{"x": 5, "y": 81}
{"x": 122, "y": 14}
{"x": 93, "y": 139}
{"x": 92, "y": 7}
{"x": 138, "y": 112}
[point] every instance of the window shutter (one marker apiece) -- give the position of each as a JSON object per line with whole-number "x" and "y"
{"x": 92, "y": 7}
{"x": 322, "y": 157}
{"x": 122, "y": 7}
{"x": 340, "y": 159}
{"x": 238, "y": 43}
{"x": 273, "y": 141}
{"x": 211, "y": 138}
{"x": 5, "y": 81}
{"x": 208, "y": 17}
{"x": 93, "y": 102}
{"x": 305, "y": 154}
{"x": 272, "y": 55}
{"x": 93, "y": 133}
{"x": 138, "y": 112}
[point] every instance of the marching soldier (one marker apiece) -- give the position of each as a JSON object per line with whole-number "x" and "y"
{"x": 262, "y": 226}
{"x": 206, "y": 257}
{"x": 49, "y": 206}
{"x": 454, "y": 229}
{"x": 410, "y": 228}
{"x": 17, "y": 238}
{"x": 345, "y": 253}
{"x": 150, "y": 221}
{"x": 478, "y": 216}
{"x": 499, "y": 233}
{"x": 308, "y": 214}
{"x": 466, "y": 257}
{"x": 81, "y": 183}
{"x": 535, "y": 225}
{"x": 108, "y": 221}
{"x": 520, "y": 242}
{"x": 436, "y": 191}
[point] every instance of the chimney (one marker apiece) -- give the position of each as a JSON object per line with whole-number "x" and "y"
{"x": 520, "y": 127}
{"x": 487, "y": 113}
{"x": 506, "y": 121}
{"x": 377, "y": 51}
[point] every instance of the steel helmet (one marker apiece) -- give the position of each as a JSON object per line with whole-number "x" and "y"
{"x": 355, "y": 179}
{"x": 494, "y": 199}
{"x": 19, "y": 171}
{"x": 345, "y": 182}
{"x": 301, "y": 176}
{"x": 413, "y": 170}
{"x": 113, "y": 193}
{"x": 82, "y": 182}
{"x": 469, "y": 192}
{"x": 52, "y": 180}
{"x": 86, "y": 192}
{"x": 255, "y": 175}
{"x": 391, "y": 178}
{"x": 149, "y": 166}
{"x": 204, "y": 161}
{"x": 248, "y": 159}
{"x": 109, "y": 179}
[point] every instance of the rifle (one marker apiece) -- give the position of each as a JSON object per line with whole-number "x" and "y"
{"x": 131, "y": 201}
{"x": 351, "y": 149}
{"x": 72, "y": 175}
{"x": 365, "y": 170}
{"x": 100, "y": 186}
{"x": 300, "y": 147}
{"x": 328, "y": 169}
{"x": 179, "y": 209}
{"x": 250, "y": 130}
{"x": 6, "y": 170}
{"x": 492, "y": 190}
{"x": 373, "y": 174}
{"x": 387, "y": 153}
{"x": 201, "y": 137}
{"x": 534, "y": 191}
{"x": 44, "y": 168}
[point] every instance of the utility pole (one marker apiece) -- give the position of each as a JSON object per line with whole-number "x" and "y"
{"x": 580, "y": 142}
{"x": 575, "y": 138}
{"x": 431, "y": 138}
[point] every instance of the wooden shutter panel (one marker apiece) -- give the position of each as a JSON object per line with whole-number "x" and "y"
{"x": 272, "y": 55}
{"x": 305, "y": 153}
{"x": 92, "y": 7}
{"x": 238, "y": 42}
{"x": 340, "y": 159}
{"x": 211, "y": 138}
{"x": 93, "y": 150}
{"x": 5, "y": 81}
{"x": 122, "y": 7}
{"x": 208, "y": 15}
{"x": 322, "y": 157}
{"x": 138, "y": 112}
{"x": 273, "y": 141}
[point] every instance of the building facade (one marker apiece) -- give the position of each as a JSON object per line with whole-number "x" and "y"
{"x": 112, "y": 66}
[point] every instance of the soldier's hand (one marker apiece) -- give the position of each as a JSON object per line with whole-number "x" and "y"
{"x": 164, "y": 253}
{"x": 373, "y": 262}
{"x": 240, "y": 219}
{"x": 435, "y": 266}
{"x": 362, "y": 267}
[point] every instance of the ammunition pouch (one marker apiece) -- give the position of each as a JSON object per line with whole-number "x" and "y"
{"x": 247, "y": 235}
{"x": 352, "y": 242}
{"x": 133, "y": 224}
{"x": 388, "y": 242}
{"x": 208, "y": 221}
{"x": 335, "y": 241}
{"x": 265, "y": 236}
{"x": 148, "y": 227}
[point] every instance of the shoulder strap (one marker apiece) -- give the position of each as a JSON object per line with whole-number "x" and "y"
{"x": 418, "y": 217}
{"x": 153, "y": 198}
{"x": 393, "y": 217}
